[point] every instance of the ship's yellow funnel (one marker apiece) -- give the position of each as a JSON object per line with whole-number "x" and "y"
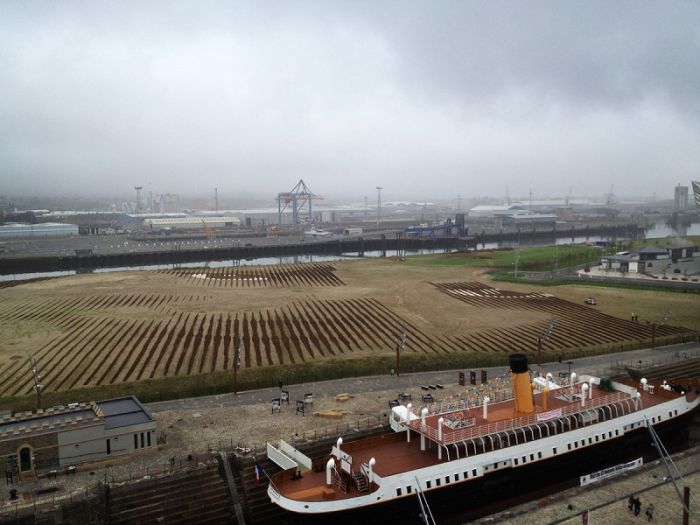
{"x": 522, "y": 390}
{"x": 545, "y": 393}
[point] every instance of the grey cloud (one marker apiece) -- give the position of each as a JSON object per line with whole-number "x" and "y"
{"x": 424, "y": 98}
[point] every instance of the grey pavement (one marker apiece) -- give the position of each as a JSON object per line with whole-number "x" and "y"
{"x": 603, "y": 363}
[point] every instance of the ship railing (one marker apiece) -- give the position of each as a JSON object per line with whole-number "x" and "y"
{"x": 441, "y": 408}
{"x": 373, "y": 478}
{"x": 364, "y": 468}
{"x": 339, "y": 482}
{"x": 272, "y": 490}
{"x": 517, "y": 423}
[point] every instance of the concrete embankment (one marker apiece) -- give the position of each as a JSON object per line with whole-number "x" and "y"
{"x": 333, "y": 247}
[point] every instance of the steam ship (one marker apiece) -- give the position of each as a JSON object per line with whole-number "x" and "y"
{"x": 543, "y": 431}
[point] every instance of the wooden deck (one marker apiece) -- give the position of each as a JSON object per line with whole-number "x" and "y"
{"x": 393, "y": 454}
{"x": 502, "y": 416}
{"x": 391, "y": 458}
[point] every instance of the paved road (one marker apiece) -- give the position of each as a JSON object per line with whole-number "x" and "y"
{"x": 380, "y": 383}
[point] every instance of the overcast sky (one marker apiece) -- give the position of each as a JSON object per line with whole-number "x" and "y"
{"x": 427, "y": 99}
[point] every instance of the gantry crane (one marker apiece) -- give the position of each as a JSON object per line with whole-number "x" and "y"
{"x": 300, "y": 202}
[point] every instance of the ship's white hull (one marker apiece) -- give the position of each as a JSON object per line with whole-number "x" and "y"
{"x": 513, "y": 459}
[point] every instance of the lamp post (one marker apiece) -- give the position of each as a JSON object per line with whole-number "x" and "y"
{"x": 400, "y": 344}
{"x": 379, "y": 205}
{"x": 236, "y": 364}
{"x": 544, "y": 337}
{"x": 37, "y": 381}
{"x": 654, "y": 325}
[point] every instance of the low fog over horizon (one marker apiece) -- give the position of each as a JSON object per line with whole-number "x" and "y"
{"x": 426, "y": 100}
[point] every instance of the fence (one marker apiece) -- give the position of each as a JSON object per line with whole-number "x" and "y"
{"x": 208, "y": 453}
{"x": 84, "y": 502}
{"x": 618, "y": 366}
{"x": 513, "y": 424}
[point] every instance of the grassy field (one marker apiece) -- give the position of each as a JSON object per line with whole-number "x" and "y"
{"x": 163, "y": 335}
{"x": 542, "y": 258}
{"x": 500, "y": 264}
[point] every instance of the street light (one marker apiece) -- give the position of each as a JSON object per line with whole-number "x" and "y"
{"x": 379, "y": 205}
{"x": 569, "y": 363}
{"x": 544, "y": 337}
{"x": 236, "y": 364}
{"x": 654, "y": 325}
{"x": 37, "y": 381}
{"x": 400, "y": 344}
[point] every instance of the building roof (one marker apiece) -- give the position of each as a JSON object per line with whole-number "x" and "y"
{"x": 123, "y": 411}
{"x": 112, "y": 413}
{"x": 197, "y": 221}
{"x": 532, "y": 216}
{"x": 652, "y": 250}
{"x": 497, "y": 207}
{"x": 621, "y": 258}
{"x": 48, "y": 421}
{"x": 37, "y": 225}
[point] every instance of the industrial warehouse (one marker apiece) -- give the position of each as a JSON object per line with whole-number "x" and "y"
{"x": 43, "y": 229}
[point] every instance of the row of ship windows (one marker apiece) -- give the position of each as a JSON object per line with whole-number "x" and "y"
{"x": 532, "y": 457}
{"x": 590, "y": 440}
{"x": 438, "y": 482}
{"x": 523, "y": 459}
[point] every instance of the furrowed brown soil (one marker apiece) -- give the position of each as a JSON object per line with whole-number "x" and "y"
{"x": 112, "y": 328}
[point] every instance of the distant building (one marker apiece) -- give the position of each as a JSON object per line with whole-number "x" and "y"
{"x": 42, "y": 229}
{"x": 191, "y": 223}
{"x": 63, "y": 436}
{"x": 523, "y": 219}
{"x": 675, "y": 261}
{"x": 618, "y": 263}
{"x": 499, "y": 210}
{"x": 680, "y": 197}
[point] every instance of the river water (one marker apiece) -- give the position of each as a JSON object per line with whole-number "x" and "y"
{"x": 659, "y": 230}
{"x": 228, "y": 263}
